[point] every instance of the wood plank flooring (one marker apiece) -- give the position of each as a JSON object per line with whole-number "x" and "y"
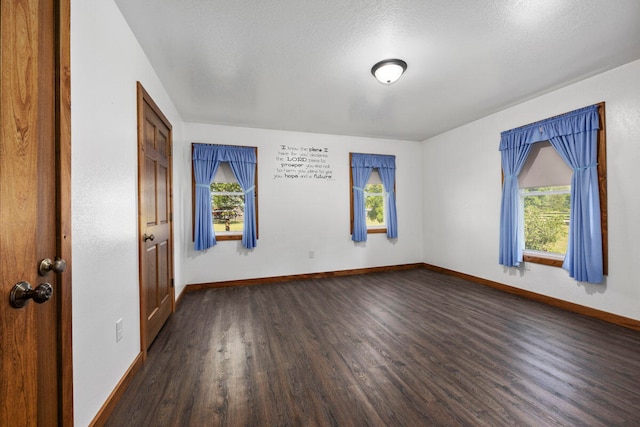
{"x": 410, "y": 348}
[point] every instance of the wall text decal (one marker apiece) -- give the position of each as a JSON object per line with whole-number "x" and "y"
{"x": 303, "y": 163}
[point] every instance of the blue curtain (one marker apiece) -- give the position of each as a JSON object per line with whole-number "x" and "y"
{"x": 244, "y": 169}
{"x": 387, "y": 171}
{"x": 360, "y": 173}
{"x": 511, "y": 232}
{"x": 574, "y": 136}
{"x": 242, "y": 160}
{"x": 204, "y": 170}
{"x": 583, "y": 259}
{"x": 361, "y": 167}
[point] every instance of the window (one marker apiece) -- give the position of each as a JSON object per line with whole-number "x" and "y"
{"x": 227, "y": 204}
{"x": 374, "y": 203}
{"x": 373, "y": 200}
{"x": 533, "y": 211}
{"x": 225, "y": 195}
{"x": 545, "y": 200}
{"x": 545, "y": 212}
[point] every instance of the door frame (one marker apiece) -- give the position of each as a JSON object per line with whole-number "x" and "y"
{"x": 143, "y": 98}
{"x": 63, "y": 208}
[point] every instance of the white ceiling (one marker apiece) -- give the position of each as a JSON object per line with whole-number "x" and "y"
{"x": 305, "y": 65}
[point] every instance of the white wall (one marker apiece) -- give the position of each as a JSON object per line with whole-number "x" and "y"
{"x": 462, "y": 190}
{"x": 106, "y": 62}
{"x": 298, "y": 216}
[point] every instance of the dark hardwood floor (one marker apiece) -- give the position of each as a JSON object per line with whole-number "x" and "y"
{"x": 410, "y": 348}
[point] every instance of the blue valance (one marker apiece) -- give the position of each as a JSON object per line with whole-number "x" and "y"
{"x": 578, "y": 121}
{"x": 224, "y": 153}
{"x": 373, "y": 161}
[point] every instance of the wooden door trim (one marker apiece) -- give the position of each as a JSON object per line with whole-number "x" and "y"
{"x": 144, "y": 98}
{"x": 63, "y": 209}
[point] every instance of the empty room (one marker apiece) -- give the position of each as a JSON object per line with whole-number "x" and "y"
{"x": 310, "y": 213}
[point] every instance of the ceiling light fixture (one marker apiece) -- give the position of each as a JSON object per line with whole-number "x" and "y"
{"x": 388, "y": 70}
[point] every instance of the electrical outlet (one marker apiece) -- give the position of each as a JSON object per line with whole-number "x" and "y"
{"x": 118, "y": 330}
{"x": 312, "y": 254}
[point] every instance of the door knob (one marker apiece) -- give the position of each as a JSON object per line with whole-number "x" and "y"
{"x": 148, "y": 237}
{"x": 22, "y": 292}
{"x": 57, "y": 266}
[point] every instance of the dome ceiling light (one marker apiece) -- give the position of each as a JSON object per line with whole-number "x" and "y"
{"x": 389, "y": 70}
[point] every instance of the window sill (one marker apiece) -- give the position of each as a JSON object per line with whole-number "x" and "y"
{"x": 221, "y": 237}
{"x": 543, "y": 258}
{"x": 376, "y": 230}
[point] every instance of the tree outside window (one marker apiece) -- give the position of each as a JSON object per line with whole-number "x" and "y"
{"x": 227, "y": 203}
{"x": 374, "y": 205}
{"x": 546, "y": 218}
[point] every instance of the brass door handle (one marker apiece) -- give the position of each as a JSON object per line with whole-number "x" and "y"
{"x": 148, "y": 237}
{"x": 57, "y": 266}
{"x": 22, "y": 292}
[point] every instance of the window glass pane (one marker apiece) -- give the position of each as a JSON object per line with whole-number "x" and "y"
{"x": 227, "y": 207}
{"x": 374, "y": 205}
{"x": 546, "y": 218}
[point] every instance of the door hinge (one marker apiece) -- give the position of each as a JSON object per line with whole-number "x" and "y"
{"x": 173, "y": 285}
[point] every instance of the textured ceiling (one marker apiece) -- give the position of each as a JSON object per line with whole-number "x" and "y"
{"x": 305, "y": 64}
